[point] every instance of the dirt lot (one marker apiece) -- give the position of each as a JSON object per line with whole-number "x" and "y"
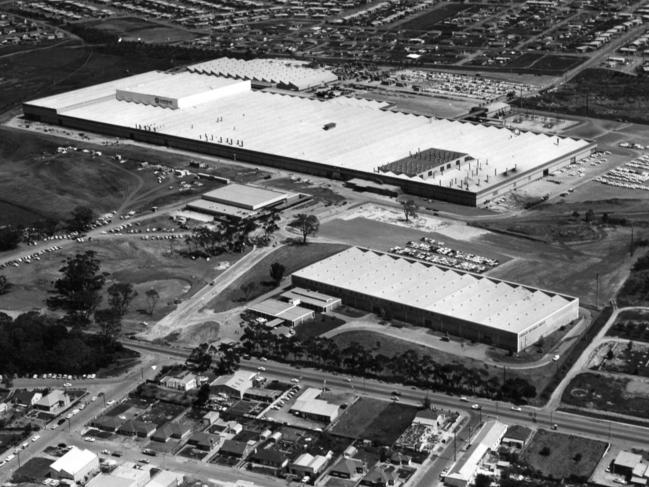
{"x": 37, "y": 182}
{"x": 146, "y": 264}
{"x": 626, "y": 358}
{"x": 560, "y": 456}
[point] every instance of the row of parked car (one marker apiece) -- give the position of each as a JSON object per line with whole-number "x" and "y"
{"x": 28, "y": 259}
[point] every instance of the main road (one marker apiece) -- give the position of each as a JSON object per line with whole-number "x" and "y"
{"x": 545, "y": 416}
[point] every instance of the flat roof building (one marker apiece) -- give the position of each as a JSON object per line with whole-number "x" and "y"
{"x": 77, "y": 465}
{"x": 487, "y": 439}
{"x": 286, "y": 311}
{"x": 234, "y": 385}
{"x": 308, "y": 405}
{"x": 501, "y": 313}
{"x": 312, "y": 299}
{"x": 245, "y": 196}
{"x": 450, "y": 160}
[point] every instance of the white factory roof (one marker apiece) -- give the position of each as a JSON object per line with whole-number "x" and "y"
{"x": 179, "y": 85}
{"x": 479, "y": 299}
{"x": 488, "y": 438}
{"x": 74, "y": 461}
{"x": 277, "y": 71}
{"x": 364, "y": 137}
{"x": 245, "y": 196}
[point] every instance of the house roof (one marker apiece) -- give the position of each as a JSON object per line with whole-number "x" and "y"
{"x": 135, "y": 426}
{"x": 52, "y": 398}
{"x": 269, "y": 455}
{"x": 240, "y": 381}
{"x": 347, "y": 465}
{"x": 74, "y": 461}
{"x": 107, "y": 423}
{"x": 237, "y": 448}
{"x": 517, "y": 432}
{"x": 24, "y": 397}
{"x": 427, "y": 414}
{"x": 381, "y": 475}
{"x": 171, "y": 428}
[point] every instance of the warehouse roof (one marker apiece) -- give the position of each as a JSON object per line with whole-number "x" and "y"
{"x": 178, "y": 85}
{"x": 479, "y": 299}
{"x": 74, "y": 461}
{"x": 276, "y": 71}
{"x": 364, "y": 137}
{"x": 245, "y": 196}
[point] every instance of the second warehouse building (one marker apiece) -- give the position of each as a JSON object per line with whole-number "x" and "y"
{"x": 480, "y": 308}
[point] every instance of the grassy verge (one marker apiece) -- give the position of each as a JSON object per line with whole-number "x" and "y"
{"x": 316, "y": 327}
{"x": 569, "y": 359}
{"x": 292, "y": 257}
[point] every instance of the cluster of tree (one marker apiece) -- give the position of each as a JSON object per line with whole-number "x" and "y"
{"x": 635, "y": 290}
{"x": 34, "y": 343}
{"x": 10, "y": 237}
{"x": 80, "y": 219}
{"x": 307, "y": 225}
{"x": 233, "y": 234}
{"x": 409, "y": 209}
{"x": 5, "y": 285}
{"x": 78, "y": 292}
{"x": 408, "y": 367}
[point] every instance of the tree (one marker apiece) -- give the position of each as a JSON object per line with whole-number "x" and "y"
{"x": 4, "y": 285}
{"x": 80, "y": 219}
{"x": 203, "y": 396}
{"x": 427, "y": 402}
{"x": 248, "y": 289}
{"x": 590, "y": 215}
{"x": 152, "y": 298}
{"x": 409, "y": 209}
{"x": 482, "y": 480}
{"x": 9, "y": 238}
{"x": 577, "y": 458}
{"x": 307, "y": 224}
{"x": 120, "y": 296}
{"x": 109, "y": 321}
{"x": 545, "y": 451}
{"x": 277, "y": 271}
{"x": 78, "y": 291}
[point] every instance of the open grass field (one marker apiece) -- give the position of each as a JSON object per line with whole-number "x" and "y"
{"x": 37, "y": 183}
{"x": 430, "y": 19}
{"x": 292, "y": 257}
{"x": 135, "y": 29}
{"x": 378, "y": 421}
{"x": 34, "y": 470}
{"x": 559, "y": 456}
{"x": 321, "y": 324}
{"x": 604, "y": 393}
{"x": 61, "y": 68}
{"x": 612, "y": 94}
{"x": 145, "y": 264}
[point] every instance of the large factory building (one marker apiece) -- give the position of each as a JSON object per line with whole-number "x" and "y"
{"x": 200, "y": 110}
{"x": 477, "y": 307}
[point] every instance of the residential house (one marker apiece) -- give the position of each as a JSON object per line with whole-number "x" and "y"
{"x": 107, "y": 423}
{"x": 53, "y": 402}
{"x": 24, "y": 397}
{"x": 235, "y": 449}
{"x": 203, "y": 441}
{"x": 171, "y": 430}
{"x": 381, "y": 476}
{"x": 135, "y": 427}
{"x": 210, "y": 417}
{"x": 347, "y": 468}
{"x": 184, "y": 381}
{"x": 271, "y": 457}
